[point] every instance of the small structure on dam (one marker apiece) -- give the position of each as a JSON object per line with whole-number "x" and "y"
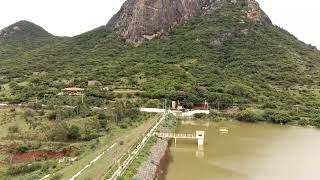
{"x": 199, "y": 136}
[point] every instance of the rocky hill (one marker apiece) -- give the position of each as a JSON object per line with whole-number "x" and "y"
{"x": 226, "y": 52}
{"x": 23, "y": 36}
{"x": 140, "y": 20}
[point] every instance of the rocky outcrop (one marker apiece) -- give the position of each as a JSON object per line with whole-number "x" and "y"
{"x": 255, "y": 13}
{"x": 140, "y": 20}
{"x": 24, "y": 30}
{"x": 148, "y": 169}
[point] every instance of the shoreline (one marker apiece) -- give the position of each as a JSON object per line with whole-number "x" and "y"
{"x": 150, "y": 168}
{"x": 162, "y": 168}
{"x": 155, "y": 167}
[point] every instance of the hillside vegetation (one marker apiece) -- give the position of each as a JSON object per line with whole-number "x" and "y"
{"x": 23, "y": 36}
{"x": 221, "y": 57}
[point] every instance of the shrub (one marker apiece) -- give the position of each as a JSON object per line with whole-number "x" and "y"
{"x": 35, "y": 106}
{"x": 26, "y": 168}
{"x": 240, "y": 90}
{"x": 23, "y": 148}
{"x": 120, "y": 178}
{"x": 102, "y": 115}
{"x": 103, "y": 123}
{"x": 42, "y": 113}
{"x": 123, "y": 126}
{"x": 29, "y": 113}
{"x": 270, "y": 105}
{"x": 249, "y": 116}
{"x": 52, "y": 116}
{"x": 91, "y": 136}
{"x": 13, "y": 129}
{"x": 74, "y": 133}
{"x": 199, "y": 115}
{"x": 56, "y": 177}
{"x": 277, "y": 117}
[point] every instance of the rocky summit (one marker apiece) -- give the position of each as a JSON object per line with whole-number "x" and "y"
{"x": 140, "y": 20}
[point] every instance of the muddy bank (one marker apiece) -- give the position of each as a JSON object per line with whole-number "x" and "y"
{"x": 164, "y": 163}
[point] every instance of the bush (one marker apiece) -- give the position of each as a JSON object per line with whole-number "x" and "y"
{"x": 35, "y": 106}
{"x": 123, "y": 126}
{"x": 52, "y": 116}
{"x": 199, "y": 115}
{"x": 42, "y": 113}
{"x": 270, "y": 105}
{"x": 277, "y": 117}
{"x": 27, "y": 168}
{"x": 13, "y": 129}
{"x": 91, "y": 136}
{"x": 249, "y": 116}
{"x": 23, "y": 148}
{"x": 241, "y": 90}
{"x": 74, "y": 133}
{"x": 29, "y": 113}
{"x": 102, "y": 115}
{"x": 56, "y": 177}
{"x": 103, "y": 123}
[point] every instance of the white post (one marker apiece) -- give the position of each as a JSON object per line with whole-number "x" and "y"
{"x": 82, "y": 98}
{"x": 200, "y": 137}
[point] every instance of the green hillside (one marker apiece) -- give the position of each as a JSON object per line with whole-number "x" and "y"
{"x": 21, "y": 37}
{"x": 221, "y": 57}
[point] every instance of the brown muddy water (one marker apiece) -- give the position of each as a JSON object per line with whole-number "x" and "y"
{"x": 247, "y": 152}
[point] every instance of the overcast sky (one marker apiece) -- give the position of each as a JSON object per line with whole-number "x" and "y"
{"x": 73, "y": 17}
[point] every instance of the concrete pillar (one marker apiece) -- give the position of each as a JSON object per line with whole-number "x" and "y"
{"x": 200, "y": 152}
{"x": 200, "y": 137}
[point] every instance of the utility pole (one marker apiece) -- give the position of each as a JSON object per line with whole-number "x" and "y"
{"x": 82, "y": 98}
{"x": 165, "y": 104}
{"x": 44, "y": 99}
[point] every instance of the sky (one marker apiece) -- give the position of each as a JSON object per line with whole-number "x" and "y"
{"x": 73, "y": 17}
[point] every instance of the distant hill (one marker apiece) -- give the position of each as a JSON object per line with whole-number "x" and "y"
{"x": 21, "y": 37}
{"x": 229, "y": 55}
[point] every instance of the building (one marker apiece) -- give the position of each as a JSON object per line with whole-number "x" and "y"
{"x": 94, "y": 83}
{"x": 106, "y": 89}
{"x": 203, "y": 106}
{"x": 174, "y": 105}
{"x": 73, "y": 90}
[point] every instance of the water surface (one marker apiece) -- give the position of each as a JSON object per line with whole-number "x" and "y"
{"x": 247, "y": 152}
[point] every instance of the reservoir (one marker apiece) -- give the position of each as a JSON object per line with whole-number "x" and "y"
{"x": 245, "y": 152}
